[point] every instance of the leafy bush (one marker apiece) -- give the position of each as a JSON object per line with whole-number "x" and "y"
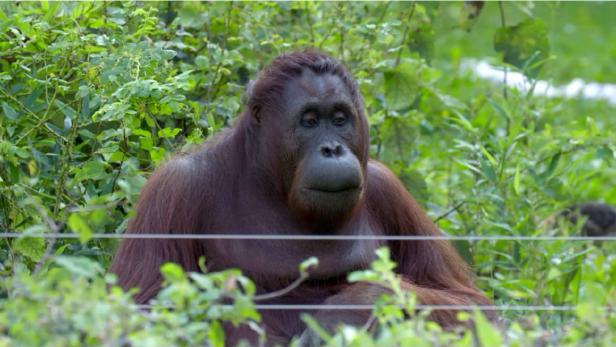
{"x": 93, "y": 96}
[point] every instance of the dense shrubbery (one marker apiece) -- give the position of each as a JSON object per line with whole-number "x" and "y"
{"x": 94, "y": 95}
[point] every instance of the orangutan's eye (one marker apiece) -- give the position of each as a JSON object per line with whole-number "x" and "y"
{"x": 339, "y": 118}
{"x": 309, "y": 119}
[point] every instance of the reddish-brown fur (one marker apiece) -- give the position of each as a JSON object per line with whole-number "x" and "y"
{"x": 221, "y": 188}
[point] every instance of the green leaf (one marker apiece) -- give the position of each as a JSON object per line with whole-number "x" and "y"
{"x": 79, "y": 226}
{"x": 92, "y": 170}
{"x": 487, "y": 334}
{"x": 422, "y": 42}
{"x": 168, "y": 54}
{"x": 488, "y": 156}
{"x": 398, "y": 136}
{"x": 9, "y": 112}
{"x": 168, "y": 133}
{"x": 85, "y": 107}
{"x": 202, "y": 62}
{"x": 605, "y": 153}
{"x": 488, "y": 170}
{"x": 80, "y": 266}
{"x": 363, "y": 276}
{"x": 216, "y": 334}
{"x": 157, "y": 154}
{"x": 552, "y": 166}
{"x": 402, "y": 85}
{"x": 172, "y": 272}
{"x": 31, "y": 247}
{"x": 68, "y": 111}
{"x": 316, "y": 327}
{"x": 516, "y": 180}
{"x": 308, "y": 264}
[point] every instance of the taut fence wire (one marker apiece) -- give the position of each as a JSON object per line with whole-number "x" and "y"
{"x": 350, "y": 307}
{"x": 329, "y": 237}
{"x": 305, "y": 237}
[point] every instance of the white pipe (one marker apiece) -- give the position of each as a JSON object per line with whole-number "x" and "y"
{"x": 577, "y": 88}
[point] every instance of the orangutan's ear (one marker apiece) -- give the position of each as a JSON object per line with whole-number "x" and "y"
{"x": 255, "y": 111}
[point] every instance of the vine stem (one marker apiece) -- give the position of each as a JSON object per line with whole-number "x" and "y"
{"x": 501, "y": 9}
{"x": 278, "y": 293}
{"x": 406, "y": 31}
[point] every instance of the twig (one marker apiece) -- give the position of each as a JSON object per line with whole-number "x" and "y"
{"x": 503, "y": 25}
{"x": 406, "y": 31}
{"x": 369, "y": 322}
{"x": 446, "y": 214}
{"x": 360, "y": 51}
{"x": 284, "y": 291}
{"x": 34, "y": 115}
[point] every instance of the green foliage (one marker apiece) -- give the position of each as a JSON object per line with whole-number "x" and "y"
{"x": 95, "y": 95}
{"x": 396, "y": 329}
{"x": 524, "y": 45}
{"x": 73, "y": 304}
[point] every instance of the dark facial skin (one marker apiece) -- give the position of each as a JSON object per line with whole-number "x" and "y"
{"x": 327, "y": 181}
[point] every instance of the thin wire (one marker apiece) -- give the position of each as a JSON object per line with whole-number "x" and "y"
{"x": 344, "y": 238}
{"x": 419, "y": 307}
{"x": 310, "y": 237}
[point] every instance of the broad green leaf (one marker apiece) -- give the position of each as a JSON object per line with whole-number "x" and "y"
{"x": 487, "y": 334}
{"x": 202, "y": 62}
{"x": 168, "y": 54}
{"x": 172, "y": 272}
{"x": 78, "y": 225}
{"x": 91, "y": 170}
{"x": 80, "y": 266}
{"x": 402, "y": 85}
{"x": 9, "y": 112}
{"x": 398, "y": 136}
{"x": 31, "y": 247}
{"x": 168, "y": 133}
{"x": 216, "y": 334}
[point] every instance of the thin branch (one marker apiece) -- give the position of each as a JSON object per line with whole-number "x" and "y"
{"x": 341, "y": 30}
{"x": 503, "y": 25}
{"x": 406, "y": 31}
{"x": 34, "y": 115}
{"x": 284, "y": 291}
{"x": 452, "y": 210}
